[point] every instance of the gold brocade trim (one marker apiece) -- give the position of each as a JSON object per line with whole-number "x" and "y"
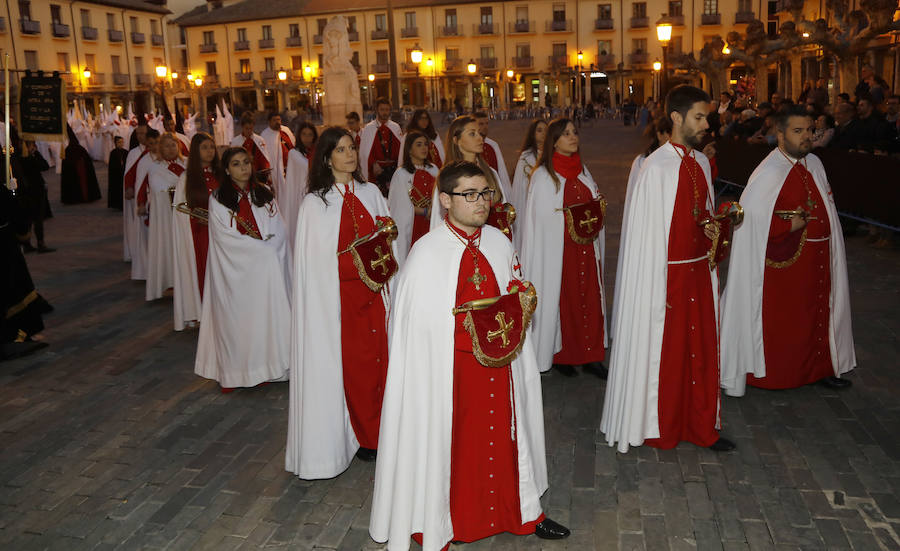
{"x": 23, "y": 304}
{"x": 570, "y": 224}
{"x": 373, "y": 285}
{"x": 528, "y": 301}
{"x": 198, "y": 213}
{"x": 390, "y": 229}
{"x": 713, "y": 249}
{"x": 785, "y": 263}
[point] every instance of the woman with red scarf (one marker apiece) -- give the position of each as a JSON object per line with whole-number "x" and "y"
{"x": 562, "y": 255}
{"x": 410, "y": 194}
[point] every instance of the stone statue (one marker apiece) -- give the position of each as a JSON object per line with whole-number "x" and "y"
{"x": 339, "y": 77}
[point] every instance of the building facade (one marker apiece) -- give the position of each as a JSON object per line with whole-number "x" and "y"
{"x": 106, "y": 51}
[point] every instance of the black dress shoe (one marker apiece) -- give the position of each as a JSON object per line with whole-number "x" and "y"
{"x": 550, "y": 530}
{"x": 596, "y": 368}
{"x": 836, "y": 383}
{"x": 366, "y": 454}
{"x": 565, "y": 370}
{"x": 723, "y": 445}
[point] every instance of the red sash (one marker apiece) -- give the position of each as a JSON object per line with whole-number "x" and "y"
{"x": 176, "y": 169}
{"x": 489, "y": 155}
{"x": 286, "y": 146}
{"x": 434, "y": 156}
{"x": 245, "y": 213}
{"x": 131, "y": 175}
{"x": 256, "y": 155}
{"x": 181, "y": 147}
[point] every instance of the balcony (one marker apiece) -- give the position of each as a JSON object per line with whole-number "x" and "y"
{"x": 96, "y": 79}
{"x": 241, "y": 45}
{"x": 115, "y": 36}
{"x": 711, "y": 19}
{"x": 296, "y": 74}
{"x": 266, "y": 75}
{"x": 208, "y": 48}
{"x": 523, "y": 62}
{"x": 638, "y": 58}
{"x": 487, "y": 63}
{"x": 156, "y": 39}
{"x": 379, "y": 35}
{"x": 353, "y": 36}
{"x": 381, "y": 68}
{"x": 606, "y": 61}
{"x": 677, "y": 20}
{"x": 67, "y": 78}
{"x": 244, "y": 77}
{"x": 293, "y": 41}
{"x": 558, "y": 61}
{"x": 603, "y": 24}
{"x": 30, "y": 27}
{"x": 521, "y": 27}
{"x": 142, "y": 79}
{"x": 450, "y": 30}
{"x": 558, "y": 26}
{"x": 120, "y": 79}
{"x": 318, "y": 38}
{"x": 266, "y": 43}
{"x": 486, "y": 29}
{"x": 640, "y": 22}
{"x": 211, "y": 79}
{"x": 138, "y": 38}
{"x": 453, "y": 65}
{"x": 60, "y": 30}
{"x": 409, "y": 67}
{"x": 744, "y": 17}
{"x": 89, "y": 33}
{"x": 409, "y": 32}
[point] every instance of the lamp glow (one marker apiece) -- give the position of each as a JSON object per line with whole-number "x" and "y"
{"x": 174, "y": 75}
{"x": 282, "y": 75}
{"x": 416, "y": 54}
{"x": 580, "y": 56}
{"x": 371, "y": 77}
{"x": 657, "y": 65}
{"x": 198, "y": 81}
{"x": 726, "y": 50}
{"x": 191, "y": 77}
{"x": 429, "y": 62}
{"x": 86, "y": 73}
{"x": 664, "y": 29}
{"x": 307, "y": 69}
{"x": 162, "y": 71}
{"x": 471, "y": 67}
{"x": 510, "y": 73}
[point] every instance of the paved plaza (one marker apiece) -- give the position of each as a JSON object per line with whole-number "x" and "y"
{"x": 109, "y": 441}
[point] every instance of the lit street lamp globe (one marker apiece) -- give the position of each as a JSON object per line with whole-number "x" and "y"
{"x": 416, "y": 54}
{"x": 162, "y": 71}
{"x": 471, "y": 67}
{"x": 657, "y": 65}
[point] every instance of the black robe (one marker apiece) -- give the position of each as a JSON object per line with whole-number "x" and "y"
{"x": 78, "y": 181}
{"x": 116, "y": 178}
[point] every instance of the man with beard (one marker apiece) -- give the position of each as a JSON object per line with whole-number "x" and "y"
{"x": 664, "y": 368}
{"x": 786, "y": 308}
{"x": 379, "y": 147}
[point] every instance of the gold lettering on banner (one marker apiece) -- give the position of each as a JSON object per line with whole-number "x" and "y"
{"x": 382, "y": 261}
{"x": 588, "y": 221}
{"x": 503, "y": 331}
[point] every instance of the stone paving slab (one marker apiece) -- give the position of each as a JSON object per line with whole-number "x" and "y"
{"x": 109, "y": 441}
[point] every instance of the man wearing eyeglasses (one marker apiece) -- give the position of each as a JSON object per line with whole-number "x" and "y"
{"x": 461, "y": 447}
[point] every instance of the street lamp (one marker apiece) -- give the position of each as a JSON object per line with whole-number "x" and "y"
{"x": 664, "y": 34}
{"x": 471, "y": 68}
{"x": 162, "y": 71}
{"x": 191, "y": 77}
{"x": 282, "y": 77}
{"x": 579, "y": 87}
{"x": 86, "y": 73}
{"x": 371, "y": 84}
{"x": 656, "y": 67}
{"x": 198, "y": 82}
{"x": 415, "y": 55}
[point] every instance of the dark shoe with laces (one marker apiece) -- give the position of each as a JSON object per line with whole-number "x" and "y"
{"x": 565, "y": 370}
{"x": 551, "y": 530}
{"x": 723, "y": 445}
{"x": 366, "y": 454}
{"x": 836, "y": 383}
{"x": 597, "y": 369}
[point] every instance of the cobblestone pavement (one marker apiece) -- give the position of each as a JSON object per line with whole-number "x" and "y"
{"x": 109, "y": 441}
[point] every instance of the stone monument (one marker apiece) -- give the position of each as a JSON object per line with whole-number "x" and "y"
{"x": 339, "y": 77}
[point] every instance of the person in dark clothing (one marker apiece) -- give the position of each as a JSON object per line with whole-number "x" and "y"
{"x": 32, "y": 196}
{"x": 78, "y": 181}
{"x": 846, "y": 131}
{"x": 874, "y": 132}
{"x": 116, "y": 174}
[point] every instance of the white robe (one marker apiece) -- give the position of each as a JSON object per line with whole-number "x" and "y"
{"x": 438, "y": 144}
{"x": 290, "y": 195}
{"x": 321, "y": 442}
{"x": 519, "y": 195}
{"x": 184, "y": 140}
{"x": 141, "y": 234}
{"x": 367, "y": 140}
{"x": 543, "y": 232}
{"x": 502, "y": 172}
{"x": 129, "y": 228}
{"x": 412, "y": 475}
{"x": 630, "y": 409}
{"x": 274, "y": 153}
{"x": 632, "y": 176}
{"x": 438, "y": 212}
{"x": 245, "y": 328}
{"x": 186, "y": 297}
{"x": 160, "y": 254}
{"x": 742, "y": 332}
{"x": 238, "y": 141}
{"x": 401, "y": 207}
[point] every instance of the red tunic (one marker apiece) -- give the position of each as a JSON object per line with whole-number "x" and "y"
{"x": 484, "y": 473}
{"x": 689, "y": 369}
{"x": 385, "y": 150}
{"x": 200, "y": 231}
{"x": 424, "y": 182}
{"x": 796, "y": 309}
{"x": 245, "y": 213}
{"x": 433, "y": 156}
{"x": 257, "y": 157}
{"x": 580, "y": 301}
{"x": 128, "y": 182}
{"x": 364, "y": 344}
{"x": 286, "y": 146}
{"x": 489, "y": 155}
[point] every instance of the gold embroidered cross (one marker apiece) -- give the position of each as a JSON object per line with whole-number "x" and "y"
{"x": 382, "y": 261}
{"x": 477, "y": 279}
{"x": 503, "y": 331}
{"x": 588, "y": 221}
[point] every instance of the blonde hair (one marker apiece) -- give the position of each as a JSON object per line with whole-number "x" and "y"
{"x": 454, "y": 153}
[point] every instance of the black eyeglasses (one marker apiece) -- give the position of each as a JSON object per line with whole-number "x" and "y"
{"x": 472, "y": 196}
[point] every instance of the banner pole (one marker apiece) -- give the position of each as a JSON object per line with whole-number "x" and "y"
{"x": 10, "y": 184}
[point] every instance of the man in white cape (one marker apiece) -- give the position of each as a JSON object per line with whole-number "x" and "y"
{"x": 129, "y": 218}
{"x": 379, "y": 145}
{"x": 492, "y": 154}
{"x": 415, "y": 475}
{"x": 786, "y": 307}
{"x": 141, "y": 236}
{"x": 253, "y": 143}
{"x": 162, "y": 176}
{"x": 279, "y": 142}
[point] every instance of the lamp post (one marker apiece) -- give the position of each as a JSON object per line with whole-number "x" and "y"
{"x": 578, "y": 85}
{"x": 656, "y": 67}
{"x": 282, "y": 79}
{"x": 471, "y": 68}
{"x": 664, "y": 34}
{"x": 161, "y": 73}
{"x": 510, "y": 74}
{"x": 416, "y": 56}
{"x": 430, "y": 64}
{"x": 371, "y": 84}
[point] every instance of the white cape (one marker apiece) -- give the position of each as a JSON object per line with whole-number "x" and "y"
{"x": 160, "y": 253}
{"x": 238, "y": 141}
{"x": 742, "y": 334}
{"x": 274, "y": 152}
{"x": 401, "y": 207}
{"x": 367, "y": 140}
{"x": 321, "y": 442}
{"x": 129, "y": 227}
{"x": 519, "y": 194}
{"x": 630, "y": 409}
{"x": 141, "y": 235}
{"x": 438, "y": 144}
{"x": 245, "y": 328}
{"x": 290, "y": 195}
{"x": 412, "y": 476}
{"x": 502, "y": 172}
{"x": 186, "y": 298}
{"x": 632, "y": 176}
{"x": 543, "y": 230}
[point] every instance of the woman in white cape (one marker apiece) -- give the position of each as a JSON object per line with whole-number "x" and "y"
{"x": 297, "y": 176}
{"x": 415, "y": 171}
{"x": 528, "y": 160}
{"x": 421, "y": 121}
{"x": 160, "y": 255}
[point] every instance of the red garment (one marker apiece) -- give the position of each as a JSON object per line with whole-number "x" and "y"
{"x": 433, "y": 156}
{"x": 796, "y": 298}
{"x": 200, "y": 231}
{"x": 385, "y": 150}
{"x": 286, "y": 146}
{"x": 175, "y": 168}
{"x": 424, "y": 182}
{"x": 182, "y": 148}
{"x": 689, "y": 369}
{"x": 143, "y": 195}
{"x": 257, "y": 157}
{"x": 131, "y": 175}
{"x": 489, "y": 155}
{"x": 580, "y": 301}
{"x": 245, "y": 212}
{"x": 484, "y": 477}
{"x": 356, "y": 140}
{"x": 364, "y": 345}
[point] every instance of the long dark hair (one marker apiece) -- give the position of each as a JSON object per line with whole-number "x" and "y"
{"x": 554, "y": 130}
{"x": 299, "y": 130}
{"x": 454, "y": 153}
{"x": 530, "y": 143}
{"x": 195, "y": 190}
{"x": 227, "y": 194}
{"x": 413, "y": 124}
{"x": 321, "y": 178}
{"x": 411, "y": 137}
